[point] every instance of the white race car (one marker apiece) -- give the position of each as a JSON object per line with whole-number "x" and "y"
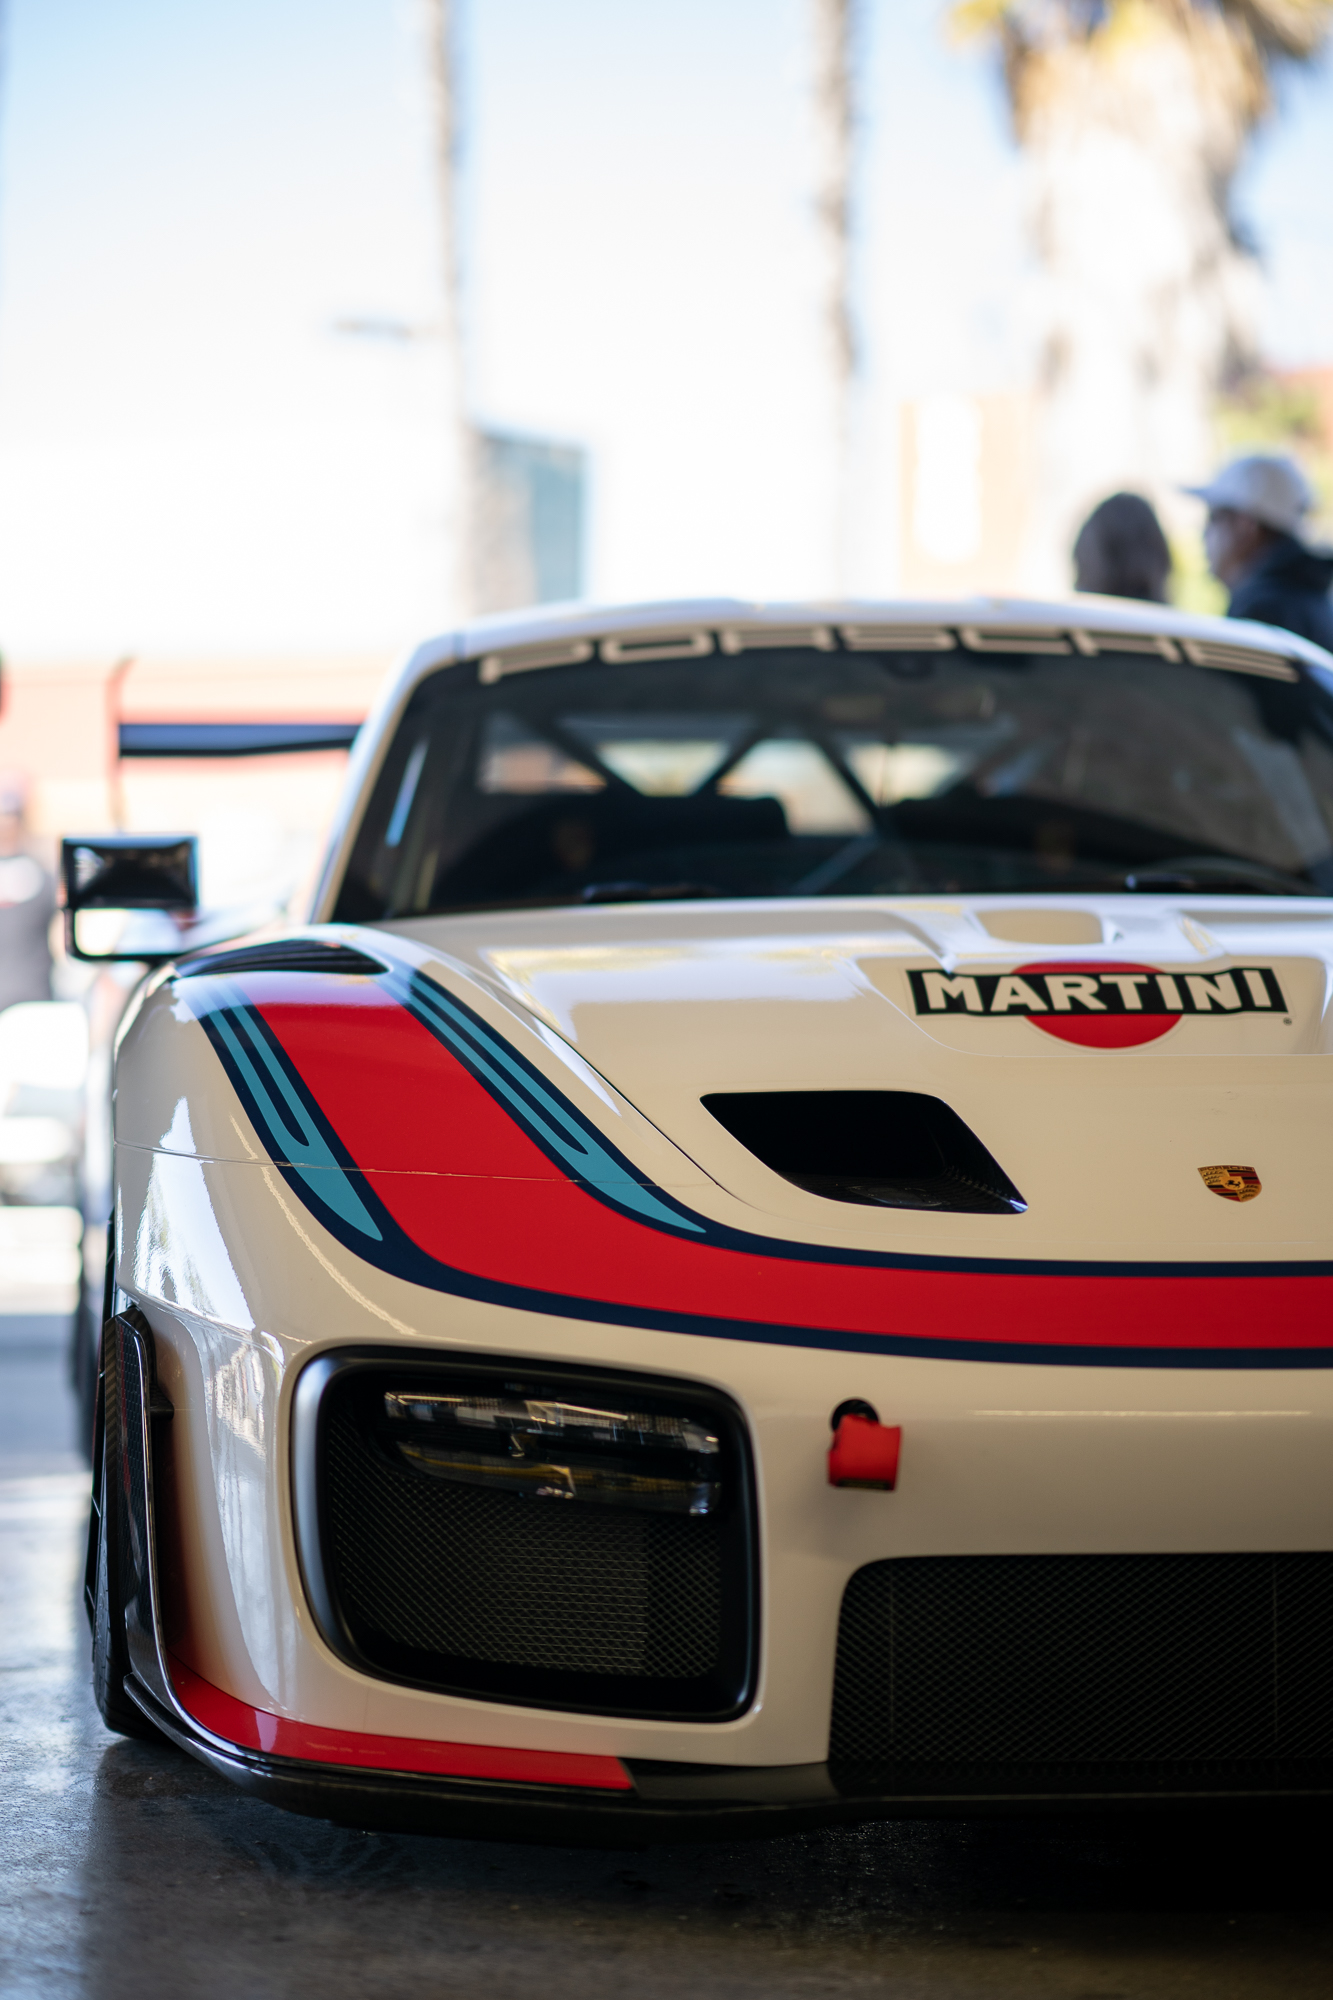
{"x": 766, "y": 1257}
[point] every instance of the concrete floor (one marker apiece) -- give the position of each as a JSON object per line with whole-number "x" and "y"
{"x": 128, "y": 1870}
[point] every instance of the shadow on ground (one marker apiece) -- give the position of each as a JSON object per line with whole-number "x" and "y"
{"x": 188, "y": 1888}
{"x": 129, "y": 1872}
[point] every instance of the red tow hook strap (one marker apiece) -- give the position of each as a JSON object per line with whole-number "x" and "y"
{"x": 865, "y": 1452}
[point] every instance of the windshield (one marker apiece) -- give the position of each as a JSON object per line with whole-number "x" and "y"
{"x": 799, "y": 771}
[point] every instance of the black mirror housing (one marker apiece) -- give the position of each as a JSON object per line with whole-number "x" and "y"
{"x": 128, "y": 871}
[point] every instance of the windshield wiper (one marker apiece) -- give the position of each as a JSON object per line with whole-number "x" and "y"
{"x": 1208, "y": 873}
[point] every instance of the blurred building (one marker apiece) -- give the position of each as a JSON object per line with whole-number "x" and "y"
{"x": 76, "y": 728}
{"x": 1318, "y": 382}
{"x": 528, "y": 534}
{"x": 261, "y": 817}
{"x": 969, "y": 471}
{"x": 966, "y": 505}
{"x": 1315, "y": 446}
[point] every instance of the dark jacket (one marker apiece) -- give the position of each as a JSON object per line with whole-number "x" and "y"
{"x": 27, "y": 905}
{"x": 1289, "y": 586}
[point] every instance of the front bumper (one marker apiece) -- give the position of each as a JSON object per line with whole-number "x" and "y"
{"x": 477, "y": 1791}
{"x": 672, "y": 1802}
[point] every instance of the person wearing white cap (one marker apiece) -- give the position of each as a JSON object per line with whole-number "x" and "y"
{"x": 1254, "y": 544}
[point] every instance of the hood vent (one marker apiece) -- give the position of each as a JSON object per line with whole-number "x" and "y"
{"x": 286, "y": 955}
{"x": 881, "y": 1148}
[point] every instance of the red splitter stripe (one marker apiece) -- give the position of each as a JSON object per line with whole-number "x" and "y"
{"x": 259, "y": 1729}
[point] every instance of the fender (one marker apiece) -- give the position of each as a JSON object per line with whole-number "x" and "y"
{"x": 441, "y": 1156}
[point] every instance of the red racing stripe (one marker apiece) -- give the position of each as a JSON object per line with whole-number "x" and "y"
{"x": 468, "y": 1186}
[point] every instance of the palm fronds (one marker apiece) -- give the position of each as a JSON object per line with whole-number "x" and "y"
{"x": 1234, "y": 42}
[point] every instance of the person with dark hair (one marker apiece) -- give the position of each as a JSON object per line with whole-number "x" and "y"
{"x": 1255, "y": 543}
{"x": 1121, "y": 550}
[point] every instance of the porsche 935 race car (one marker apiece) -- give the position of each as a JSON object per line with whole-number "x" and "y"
{"x": 765, "y": 1256}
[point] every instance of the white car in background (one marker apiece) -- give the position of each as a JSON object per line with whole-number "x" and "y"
{"x": 765, "y": 1256}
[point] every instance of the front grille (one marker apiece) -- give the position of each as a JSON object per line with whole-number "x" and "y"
{"x": 1081, "y": 1659}
{"x": 430, "y": 1573}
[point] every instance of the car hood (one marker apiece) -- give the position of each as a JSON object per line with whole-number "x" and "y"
{"x": 509, "y": 1109}
{"x": 1102, "y": 1113}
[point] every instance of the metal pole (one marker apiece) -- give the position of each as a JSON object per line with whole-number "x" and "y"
{"x": 439, "y": 21}
{"x": 835, "y": 26}
{"x": 115, "y": 682}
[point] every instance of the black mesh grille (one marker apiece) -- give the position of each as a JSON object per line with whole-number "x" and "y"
{"x": 1121, "y": 1659}
{"x": 557, "y": 1602}
{"x": 459, "y": 1570}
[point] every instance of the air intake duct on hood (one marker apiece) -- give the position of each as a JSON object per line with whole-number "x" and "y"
{"x": 882, "y": 1148}
{"x": 285, "y": 955}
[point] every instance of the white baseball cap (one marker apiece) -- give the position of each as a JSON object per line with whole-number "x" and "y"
{"x": 1273, "y": 490}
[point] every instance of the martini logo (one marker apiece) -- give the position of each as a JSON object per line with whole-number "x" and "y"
{"x": 1100, "y": 1006}
{"x": 1232, "y": 1183}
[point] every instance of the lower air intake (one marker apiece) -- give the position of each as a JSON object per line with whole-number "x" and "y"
{"x": 1156, "y": 1659}
{"x": 565, "y": 1539}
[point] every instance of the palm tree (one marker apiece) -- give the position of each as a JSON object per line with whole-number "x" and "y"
{"x": 1134, "y": 115}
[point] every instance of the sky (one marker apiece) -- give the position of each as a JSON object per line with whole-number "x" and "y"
{"x": 194, "y": 459}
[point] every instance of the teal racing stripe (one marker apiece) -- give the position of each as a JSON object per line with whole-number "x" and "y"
{"x": 304, "y": 1150}
{"x": 539, "y": 1108}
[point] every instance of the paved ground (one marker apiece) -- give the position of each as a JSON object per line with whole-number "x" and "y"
{"x": 130, "y": 1871}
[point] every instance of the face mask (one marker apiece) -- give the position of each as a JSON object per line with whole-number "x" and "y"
{"x": 1216, "y": 545}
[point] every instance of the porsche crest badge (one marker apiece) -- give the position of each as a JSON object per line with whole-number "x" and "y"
{"x": 1232, "y": 1183}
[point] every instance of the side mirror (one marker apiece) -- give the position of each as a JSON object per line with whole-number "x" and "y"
{"x": 121, "y": 874}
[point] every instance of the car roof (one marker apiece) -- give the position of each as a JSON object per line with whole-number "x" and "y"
{"x": 562, "y": 634}
{"x": 555, "y": 625}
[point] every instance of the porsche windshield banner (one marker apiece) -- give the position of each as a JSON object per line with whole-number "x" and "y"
{"x": 1100, "y": 1006}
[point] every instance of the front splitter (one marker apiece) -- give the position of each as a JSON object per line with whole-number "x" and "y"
{"x": 692, "y": 1802}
